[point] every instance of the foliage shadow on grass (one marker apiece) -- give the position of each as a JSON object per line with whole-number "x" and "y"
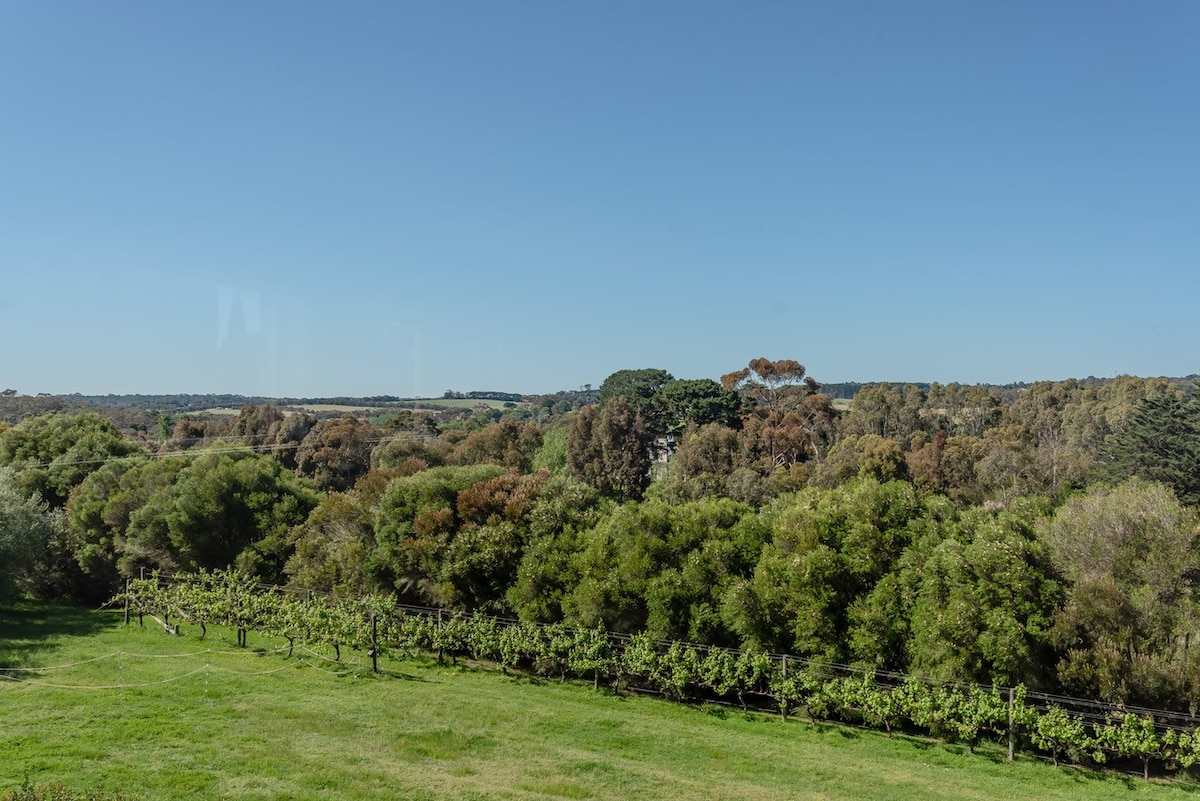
{"x": 401, "y": 676}
{"x": 28, "y": 629}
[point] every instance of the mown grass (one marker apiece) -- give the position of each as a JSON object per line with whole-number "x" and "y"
{"x": 258, "y": 724}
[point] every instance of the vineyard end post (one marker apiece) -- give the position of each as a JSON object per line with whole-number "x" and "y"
{"x": 1012, "y": 728}
{"x": 126, "y": 602}
{"x": 374, "y": 643}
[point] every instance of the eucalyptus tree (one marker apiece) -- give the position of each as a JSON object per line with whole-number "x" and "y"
{"x": 892, "y": 411}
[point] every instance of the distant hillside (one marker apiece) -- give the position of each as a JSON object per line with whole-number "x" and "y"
{"x": 188, "y": 402}
{"x": 848, "y": 389}
{"x": 15, "y": 407}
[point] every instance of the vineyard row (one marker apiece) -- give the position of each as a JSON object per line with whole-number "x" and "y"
{"x": 1063, "y": 729}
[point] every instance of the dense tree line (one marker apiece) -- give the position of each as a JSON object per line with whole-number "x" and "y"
{"x": 1046, "y": 538}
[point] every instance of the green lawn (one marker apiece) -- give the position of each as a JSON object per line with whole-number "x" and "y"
{"x": 224, "y": 723}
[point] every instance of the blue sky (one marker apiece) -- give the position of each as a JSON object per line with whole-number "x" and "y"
{"x": 318, "y": 199}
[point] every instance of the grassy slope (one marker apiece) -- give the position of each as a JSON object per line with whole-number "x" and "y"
{"x": 248, "y": 725}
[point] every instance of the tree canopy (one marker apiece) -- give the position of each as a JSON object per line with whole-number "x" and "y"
{"x": 53, "y": 453}
{"x": 1042, "y": 534}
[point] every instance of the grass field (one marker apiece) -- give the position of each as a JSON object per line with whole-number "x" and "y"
{"x": 418, "y": 404}
{"x": 164, "y": 717}
{"x": 337, "y": 407}
{"x": 459, "y": 403}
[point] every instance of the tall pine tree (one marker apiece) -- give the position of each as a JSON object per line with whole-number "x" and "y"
{"x": 1160, "y": 442}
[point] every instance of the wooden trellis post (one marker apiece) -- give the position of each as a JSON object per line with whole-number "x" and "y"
{"x": 1012, "y": 728}
{"x": 374, "y": 643}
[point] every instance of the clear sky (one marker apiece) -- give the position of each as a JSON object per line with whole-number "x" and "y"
{"x": 318, "y": 199}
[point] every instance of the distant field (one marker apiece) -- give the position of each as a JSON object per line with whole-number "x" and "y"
{"x": 408, "y": 403}
{"x": 315, "y": 408}
{"x": 335, "y": 407}
{"x": 179, "y": 717}
{"x": 458, "y": 403}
